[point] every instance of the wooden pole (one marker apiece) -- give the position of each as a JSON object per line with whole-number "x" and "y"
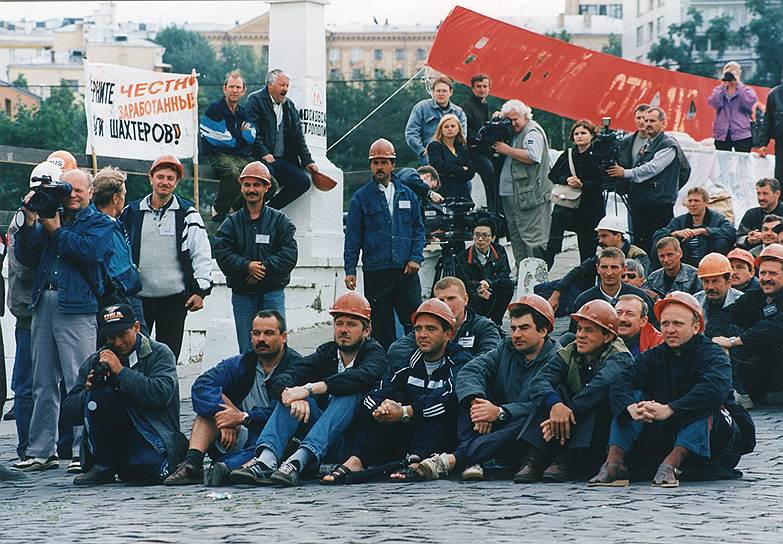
{"x": 195, "y": 149}
{"x": 94, "y": 161}
{"x": 195, "y": 181}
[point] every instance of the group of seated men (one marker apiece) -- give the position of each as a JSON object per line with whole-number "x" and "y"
{"x": 617, "y": 402}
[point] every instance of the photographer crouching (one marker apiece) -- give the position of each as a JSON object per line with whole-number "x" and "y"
{"x": 127, "y": 396}
{"x": 64, "y": 239}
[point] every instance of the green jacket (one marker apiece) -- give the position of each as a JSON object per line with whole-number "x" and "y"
{"x": 532, "y": 186}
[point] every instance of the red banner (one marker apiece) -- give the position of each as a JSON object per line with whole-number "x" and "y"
{"x": 566, "y": 79}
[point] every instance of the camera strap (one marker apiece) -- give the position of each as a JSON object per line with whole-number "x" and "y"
{"x": 571, "y": 161}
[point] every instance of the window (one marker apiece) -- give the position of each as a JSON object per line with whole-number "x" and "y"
{"x": 334, "y": 54}
{"x": 421, "y": 54}
{"x": 143, "y": 27}
{"x": 8, "y": 107}
{"x": 379, "y": 73}
{"x": 356, "y": 73}
{"x": 649, "y": 31}
{"x": 661, "y": 3}
{"x": 356, "y": 55}
{"x": 602, "y": 9}
{"x": 659, "y": 26}
{"x": 334, "y": 73}
{"x": 639, "y": 36}
{"x": 377, "y": 54}
{"x": 639, "y": 7}
{"x": 650, "y": 5}
{"x": 399, "y": 54}
{"x": 615, "y": 11}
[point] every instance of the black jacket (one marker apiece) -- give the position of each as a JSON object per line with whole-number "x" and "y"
{"x": 261, "y": 114}
{"x": 752, "y": 220}
{"x": 773, "y": 115}
{"x": 591, "y": 205}
{"x": 585, "y": 274}
{"x": 363, "y": 375}
{"x": 495, "y": 270}
{"x": 594, "y": 293}
{"x": 477, "y": 113}
{"x": 269, "y": 239}
{"x": 455, "y": 171}
{"x": 722, "y": 234}
{"x": 694, "y": 380}
{"x": 761, "y": 334}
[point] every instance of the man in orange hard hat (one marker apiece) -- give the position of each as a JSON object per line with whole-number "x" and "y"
{"x": 320, "y": 394}
{"x": 256, "y": 250}
{"x": 171, "y": 250}
{"x": 743, "y": 270}
{"x": 385, "y": 225}
{"x": 717, "y": 293}
{"x": 675, "y": 404}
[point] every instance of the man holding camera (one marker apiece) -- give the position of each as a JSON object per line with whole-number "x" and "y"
{"x": 65, "y": 249}
{"x": 127, "y": 395}
{"x": 477, "y": 112}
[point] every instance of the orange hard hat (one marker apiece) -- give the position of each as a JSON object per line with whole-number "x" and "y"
{"x": 351, "y": 303}
{"x": 714, "y": 264}
{"x": 168, "y": 160}
{"x": 64, "y": 159}
{"x": 743, "y": 255}
{"x": 257, "y": 170}
{"x": 382, "y": 149}
{"x": 322, "y": 182}
{"x": 599, "y": 312}
{"x": 684, "y": 299}
{"x": 772, "y": 252}
{"x": 538, "y": 304}
{"x": 435, "y": 307}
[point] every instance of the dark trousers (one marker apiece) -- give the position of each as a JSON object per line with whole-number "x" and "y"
{"x": 167, "y": 315}
{"x": 378, "y": 443}
{"x": 495, "y": 307}
{"x": 227, "y": 168}
{"x": 22, "y": 384}
{"x": 489, "y": 177}
{"x": 646, "y": 220}
{"x": 114, "y": 442}
{"x": 501, "y": 441}
{"x": 292, "y": 180}
{"x": 779, "y": 159}
{"x": 564, "y": 219}
{"x": 390, "y": 291}
{"x": 740, "y": 146}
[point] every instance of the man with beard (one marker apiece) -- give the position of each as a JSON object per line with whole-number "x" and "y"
{"x": 233, "y": 402}
{"x": 743, "y": 275}
{"x": 319, "y": 393}
{"x": 634, "y": 326}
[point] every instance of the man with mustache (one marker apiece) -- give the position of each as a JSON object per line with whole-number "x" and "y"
{"x": 233, "y": 402}
{"x": 385, "y": 224}
{"x": 743, "y": 273}
{"x": 717, "y": 292}
{"x": 256, "y": 250}
{"x": 759, "y": 315}
{"x": 771, "y": 228}
{"x": 279, "y": 139}
{"x": 633, "y": 324}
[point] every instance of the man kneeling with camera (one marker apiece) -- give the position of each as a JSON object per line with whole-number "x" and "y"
{"x": 127, "y": 397}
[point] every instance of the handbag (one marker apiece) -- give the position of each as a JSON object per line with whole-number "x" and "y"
{"x": 565, "y": 195}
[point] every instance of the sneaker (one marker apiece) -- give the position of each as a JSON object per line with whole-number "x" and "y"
{"x": 97, "y": 475}
{"x": 32, "y": 464}
{"x": 75, "y": 467}
{"x": 473, "y": 474}
{"x": 435, "y": 467}
{"x": 286, "y": 474}
{"x": 185, "y": 474}
{"x": 7, "y": 474}
{"x": 744, "y": 400}
{"x": 256, "y": 473}
{"x": 216, "y": 475}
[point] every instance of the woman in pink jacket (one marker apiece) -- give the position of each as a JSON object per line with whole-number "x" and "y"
{"x": 733, "y": 103}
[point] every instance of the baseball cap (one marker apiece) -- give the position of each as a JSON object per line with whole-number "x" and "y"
{"x": 116, "y": 318}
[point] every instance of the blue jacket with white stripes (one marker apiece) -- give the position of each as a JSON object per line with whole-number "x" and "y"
{"x": 226, "y": 131}
{"x": 430, "y": 396}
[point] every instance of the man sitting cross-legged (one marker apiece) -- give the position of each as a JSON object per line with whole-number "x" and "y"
{"x": 676, "y": 403}
{"x": 233, "y": 402}
{"x": 321, "y": 392}
{"x": 414, "y": 412}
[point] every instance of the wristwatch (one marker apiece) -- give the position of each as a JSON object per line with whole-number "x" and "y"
{"x": 502, "y": 414}
{"x": 246, "y": 420}
{"x": 406, "y": 417}
{"x": 309, "y": 388}
{"x": 732, "y": 341}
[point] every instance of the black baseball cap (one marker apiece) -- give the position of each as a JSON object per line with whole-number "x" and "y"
{"x": 115, "y": 319}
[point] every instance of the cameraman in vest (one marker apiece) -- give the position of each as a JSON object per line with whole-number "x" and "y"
{"x": 654, "y": 179}
{"x": 524, "y": 187}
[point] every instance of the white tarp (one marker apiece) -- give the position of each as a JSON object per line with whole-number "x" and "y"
{"x": 140, "y": 114}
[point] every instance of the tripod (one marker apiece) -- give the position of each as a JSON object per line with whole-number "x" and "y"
{"x": 446, "y": 264}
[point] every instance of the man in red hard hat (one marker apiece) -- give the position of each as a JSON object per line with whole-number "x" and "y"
{"x": 675, "y": 405}
{"x": 321, "y": 392}
{"x": 256, "y": 250}
{"x": 569, "y": 432}
{"x": 171, "y": 250}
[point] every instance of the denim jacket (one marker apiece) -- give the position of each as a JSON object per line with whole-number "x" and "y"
{"x": 423, "y": 121}
{"x": 386, "y": 242}
{"x": 83, "y": 246}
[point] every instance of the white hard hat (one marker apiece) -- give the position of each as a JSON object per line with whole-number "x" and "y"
{"x": 614, "y": 223}
{"x": 45, "y": 169}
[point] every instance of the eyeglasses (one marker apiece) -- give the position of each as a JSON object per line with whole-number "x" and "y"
{"x": 482, "y": 236}
{"x": 629, "y": 276}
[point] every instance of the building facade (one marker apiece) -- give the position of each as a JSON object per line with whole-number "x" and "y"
{"x": 11, "y": 98}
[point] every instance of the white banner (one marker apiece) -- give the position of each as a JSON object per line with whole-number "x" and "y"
{"x": 140, "y": 114}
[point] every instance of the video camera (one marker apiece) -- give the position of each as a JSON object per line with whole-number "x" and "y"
{"x": 606, "y": 150}
{"x": 453, "y": 220}
{"x": 48, "y": 196}
{"x": 497, "y": 129}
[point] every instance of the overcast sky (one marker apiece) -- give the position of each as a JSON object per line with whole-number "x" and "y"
{"x": 337, "y": 12}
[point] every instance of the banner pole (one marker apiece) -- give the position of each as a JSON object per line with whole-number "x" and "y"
{"x": 94, "y": 161}
{"x": 195, "y": 181}
{"x": 195, "y": 148}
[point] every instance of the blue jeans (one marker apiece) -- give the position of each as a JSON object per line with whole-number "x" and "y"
{"x": 22, "y": 384}
{"x": 293, "y": 183}
{"x": 694, "y": 437}
{"x": 247, "y": 306}
{"x": 326, "y": 427}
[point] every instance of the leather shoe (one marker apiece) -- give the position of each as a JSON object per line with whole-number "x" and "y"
{"x": 97, "y": 475}
{"x": 532, "y": 469}
{"x": 610, "y": 475}
{"x": 666, "y": 476}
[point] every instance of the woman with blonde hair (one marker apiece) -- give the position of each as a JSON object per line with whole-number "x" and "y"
{"x": 448, "y": 154}
{"x": 733, "y": 103}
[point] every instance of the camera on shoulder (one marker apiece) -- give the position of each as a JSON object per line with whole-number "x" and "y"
{"x": 48, "y": 196}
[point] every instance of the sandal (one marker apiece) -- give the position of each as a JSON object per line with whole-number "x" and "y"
{"x": 340, "y": 475}
{"x": 406, "y": 475}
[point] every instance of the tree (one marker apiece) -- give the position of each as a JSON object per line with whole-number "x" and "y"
{"x": 186, "y": 50}
{"x": 765, "y": 31}
{"x": 20, "y": 82}
{"x": 614, "y": 46}
{"x": 563, "y": 35}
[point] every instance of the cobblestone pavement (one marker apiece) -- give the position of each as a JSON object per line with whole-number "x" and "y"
{"x": 46, "y": 507}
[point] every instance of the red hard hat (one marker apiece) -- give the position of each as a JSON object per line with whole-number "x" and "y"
{"x": 351, "y": 303}
{"x": 322, "y": 182}
{"x": 743, "y": 255}
{"x": 772, "y": 252}
{"x": 599, "y": 312}
{"x": 382, "y": 149}
{"x": 64, "y": 159}
{"x": 539, "y": 304}
{"x": 435, "y": 307}
{"x": 168, "y": 160}
{"x": 684, "y": 299}
{"x": 257, "y": 170}
{"x": 714, "y": 264}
